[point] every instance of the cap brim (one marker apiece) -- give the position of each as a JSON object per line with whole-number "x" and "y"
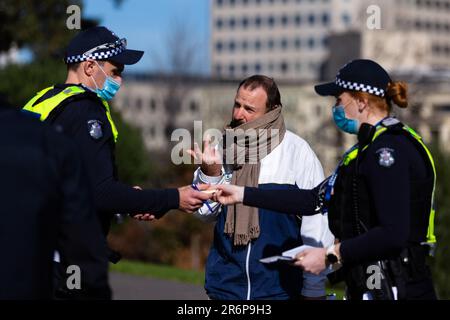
{"x": 127, "y": 57}
{"x": 328, "y": 89}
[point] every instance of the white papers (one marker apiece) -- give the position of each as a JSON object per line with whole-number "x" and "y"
{"x": 286, "y": 256}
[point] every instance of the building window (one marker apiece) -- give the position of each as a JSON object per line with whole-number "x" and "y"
{"x": 219, "y": 46}
{"x": 447, "y": 50}
{"x": 219, "y": 23}
{"x": 298, "y": 20}
{"x": 418, "y": 24}
{"x": 244, "y": 45}
{"x": 257, "y": 45}
{"x": 218, "y": 69}
{"x": 257, "y": 67}
{"x": 219, "y": 2}
{"x": 232, "y": 2}
{"x": 232, "y": 23}
{"x": 325, "y": 42}
{"x": 139, "y": 104}
{"x": 436, "y": 49}
{"x": 311, "y": 19}
{"x": 270, "y": 67}
{"x": 346, "y": 19}
{"x": 258, "y": 22}
{"x": 437, "y": 26}
{"x": 298, "y": 43}
{"x": 231, "y": 69}
{"x": 152, "y": 105}
{"x": 284, "y": 21}
{"x": 271, "y": 21}
{"x": 232, "y": 46}
{"x": 193, "y": 106}
{"x": 244, "y": 68}
{"x": 325, "y": 19}
{"x": 311, "y": 43}
{"x": 284, "y": 43}
{"x": 270, "y": 44}
{"x": 245, "y": 22}
{"x": 284, "y": 67}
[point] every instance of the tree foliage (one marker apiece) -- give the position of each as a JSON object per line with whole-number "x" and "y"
{"x": 39, "y": 25}
{"x": 441, "y": 261}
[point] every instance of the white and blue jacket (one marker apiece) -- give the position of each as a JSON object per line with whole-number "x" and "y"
{"x": 234, "y": 272}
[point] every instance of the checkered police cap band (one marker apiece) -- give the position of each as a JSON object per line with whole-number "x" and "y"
{"x": 359, "y": 87}
{"x": 94, "y": 55}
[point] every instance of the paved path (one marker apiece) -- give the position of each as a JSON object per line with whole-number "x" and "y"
{"x": 130, "y": 287}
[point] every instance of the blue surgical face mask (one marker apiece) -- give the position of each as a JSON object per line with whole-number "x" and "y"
{"x": 343, "y": 123}
{"x": 110, "y": 87}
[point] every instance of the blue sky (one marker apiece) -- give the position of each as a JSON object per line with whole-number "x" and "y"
{"x": 145, "y": 24}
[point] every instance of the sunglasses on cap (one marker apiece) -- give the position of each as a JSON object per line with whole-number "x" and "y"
{"x": 120, "y": 43}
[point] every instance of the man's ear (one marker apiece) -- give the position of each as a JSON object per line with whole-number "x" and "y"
{"x": 88, "y": 67}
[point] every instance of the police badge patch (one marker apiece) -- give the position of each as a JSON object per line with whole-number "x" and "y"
{"x": 386, "y": 157}
{"x": 95, "y": 129}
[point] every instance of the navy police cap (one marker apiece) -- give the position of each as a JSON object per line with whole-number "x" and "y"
{"x": 357, "y": 75}
{"x": 99, "y": 43}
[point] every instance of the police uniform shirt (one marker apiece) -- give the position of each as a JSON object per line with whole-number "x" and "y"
{"x": 86, "y": 121}
{"x": 46, "y": 205}
{"x": 391, "y": 163}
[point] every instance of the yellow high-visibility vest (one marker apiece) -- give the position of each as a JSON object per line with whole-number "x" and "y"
{"x": 45, "y": 107}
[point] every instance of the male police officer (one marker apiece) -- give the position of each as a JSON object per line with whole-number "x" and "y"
{"x": 95, "y": 60}
{"x": 46, "y": 205}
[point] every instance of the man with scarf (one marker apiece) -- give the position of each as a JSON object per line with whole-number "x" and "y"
{"x": 259, "y": 151}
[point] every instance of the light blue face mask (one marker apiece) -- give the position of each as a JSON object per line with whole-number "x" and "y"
{"x": 110, "y": 87}
{"x": 343, "y": 123}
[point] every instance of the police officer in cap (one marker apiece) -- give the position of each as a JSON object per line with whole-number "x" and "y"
{"x": 379, "y": 200}
{"x": 95, "y": 61}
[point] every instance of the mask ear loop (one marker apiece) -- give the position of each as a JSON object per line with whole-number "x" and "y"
{"x": 93, "y": 79}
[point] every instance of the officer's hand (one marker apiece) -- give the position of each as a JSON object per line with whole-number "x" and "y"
{"x": 191, "y": 199}
{"x": 143, "y": 216}
{"x": 228, "y": 194}
{"x": 312, "y": 260}
{"x": 210, "y": 158}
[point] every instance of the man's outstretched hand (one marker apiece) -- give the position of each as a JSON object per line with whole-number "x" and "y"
{"x": 191, "y": 200}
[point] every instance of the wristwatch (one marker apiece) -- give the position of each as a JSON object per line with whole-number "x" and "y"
{"x": 332, "y": 257}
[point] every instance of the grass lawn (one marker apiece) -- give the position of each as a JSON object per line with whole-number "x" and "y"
{"x": 158, "y": 271}
{"x": 171, "y": 273}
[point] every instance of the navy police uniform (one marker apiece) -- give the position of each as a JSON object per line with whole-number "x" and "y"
{"x": 46, "y": 206}
{"x": 85, "y": 116}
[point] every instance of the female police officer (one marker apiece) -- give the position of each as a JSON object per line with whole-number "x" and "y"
{"x": 379, "y": 200}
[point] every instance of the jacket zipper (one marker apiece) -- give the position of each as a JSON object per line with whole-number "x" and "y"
{"x": 247, "y": 271}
